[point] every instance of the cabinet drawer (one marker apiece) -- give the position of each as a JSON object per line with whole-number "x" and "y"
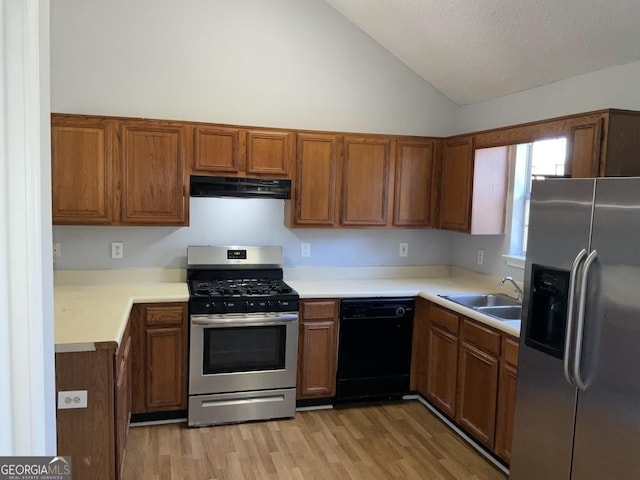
{"x": 511, "y": 347}
{"x": 319, "y": 309}
{"x": 445, "y": 319}
{"x": 481, "y": 337}
{"x": 164, "y": 314}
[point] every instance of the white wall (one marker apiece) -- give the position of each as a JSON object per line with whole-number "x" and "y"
{"x": 615, "y": 87}
{"x": 279, "y": 63}
{"x": 224, "y": 221}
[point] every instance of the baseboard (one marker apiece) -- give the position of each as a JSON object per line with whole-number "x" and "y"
{"x": 156, "y": 418}
{"x": 475, "y": 445}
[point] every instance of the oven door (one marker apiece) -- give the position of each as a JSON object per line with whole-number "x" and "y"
{"x": 242, "y": 352}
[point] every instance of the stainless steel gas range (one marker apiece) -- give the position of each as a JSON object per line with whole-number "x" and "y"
{"x": 243, "y": 335}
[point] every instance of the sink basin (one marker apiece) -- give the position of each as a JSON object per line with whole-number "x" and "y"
{"x": 512, "y": 312}
{"x": 477, "y": 301}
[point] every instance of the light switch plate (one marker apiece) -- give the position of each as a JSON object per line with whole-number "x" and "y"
{"x": 305, "y": 249}
{"x": 404, "y": 250}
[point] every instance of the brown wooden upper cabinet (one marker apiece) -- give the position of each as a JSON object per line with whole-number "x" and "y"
{"x": 153, "y": 177}
{"x": 606, "y": 146}
{"x": 473, "y": 188}
{"x": 315, "y": 189}
{"x": 456, "y": 184}
{"x": 218, "y": 149}
{"x": 604, "y": 143}
{"x": 109, "y": 171}
{"x": 366, "y": 181}
{"x": 269, "y": 152}
{"x": 83, "y": 170}
{"x": 413, "y": 188}
{"x": 238, "y": 152}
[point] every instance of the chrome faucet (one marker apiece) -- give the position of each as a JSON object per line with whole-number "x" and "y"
{"x": 509, "y": 279}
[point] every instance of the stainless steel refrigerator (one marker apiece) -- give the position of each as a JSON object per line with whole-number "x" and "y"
{"x": 577, "y": 410}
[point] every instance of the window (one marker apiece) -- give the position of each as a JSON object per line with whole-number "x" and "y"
{"x": 539, "y": 158}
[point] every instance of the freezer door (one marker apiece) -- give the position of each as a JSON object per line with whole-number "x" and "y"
{"x": 607, "y": 433}
{"x": 559, "y": 227}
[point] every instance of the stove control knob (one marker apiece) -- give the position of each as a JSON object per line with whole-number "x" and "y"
{"x": 400, "y": 311}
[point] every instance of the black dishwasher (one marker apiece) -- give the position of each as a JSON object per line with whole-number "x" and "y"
{"x": 374, "y": 349}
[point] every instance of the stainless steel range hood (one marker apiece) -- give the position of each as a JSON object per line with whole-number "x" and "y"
{"x": 205, "y": 186}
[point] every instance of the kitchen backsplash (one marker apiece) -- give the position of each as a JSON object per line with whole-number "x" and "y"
{"x": 225, "y": 221}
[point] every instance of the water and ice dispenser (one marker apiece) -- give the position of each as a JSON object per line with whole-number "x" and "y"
{"x": 547, "y": 315}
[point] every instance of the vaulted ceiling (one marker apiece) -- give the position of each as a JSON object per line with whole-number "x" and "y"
{"x": 475, "y": 50}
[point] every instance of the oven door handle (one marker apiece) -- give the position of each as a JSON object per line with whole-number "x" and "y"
{"x": 257, "y": 320}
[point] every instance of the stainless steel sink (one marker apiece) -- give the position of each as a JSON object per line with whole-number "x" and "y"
{"x": 513, "y": 312}
{"x": 498, "y": 305}
{"x": 483, "y": 300}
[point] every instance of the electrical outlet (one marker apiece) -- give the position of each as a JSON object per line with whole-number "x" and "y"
{"x": 404, "y": 250}
{"x": 305, "y": 249}
{"x": 57, "y": 250}
{"x": 72, "y": 399}
{"x": 117, "y": 249}
{"x": 480, "y": 259}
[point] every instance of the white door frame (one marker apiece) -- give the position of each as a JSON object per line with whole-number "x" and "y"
{"x": 27, "y": 378}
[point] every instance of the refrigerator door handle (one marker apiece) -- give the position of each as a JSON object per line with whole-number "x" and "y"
{"x": 577, "y": 356}
{"x": 570, "y": 314}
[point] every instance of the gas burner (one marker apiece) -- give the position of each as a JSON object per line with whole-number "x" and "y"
{"x": 239, "y": 288}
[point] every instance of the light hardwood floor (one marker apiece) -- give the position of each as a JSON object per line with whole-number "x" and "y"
{"x": 392, "y": 441}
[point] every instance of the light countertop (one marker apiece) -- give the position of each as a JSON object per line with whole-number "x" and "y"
{"x": 428, "y": 288}
{"x": 86, "y": 313}
{"x": 89, "y": 314}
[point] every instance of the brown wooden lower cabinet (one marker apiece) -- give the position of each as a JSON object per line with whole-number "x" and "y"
{"x": 478, "y": 381}
{"x": 117, "y": 384}
{"x": 123, "y": 397}
{"x": 160, "y": 357}
{"x": 419, "y": 352}
{"x": 442, "y": 363}
{"x": 317, "y": 345}
{"x": 506, "y": 398}
{"x": 468, "y": 371}
{"x": 96, "y": 436}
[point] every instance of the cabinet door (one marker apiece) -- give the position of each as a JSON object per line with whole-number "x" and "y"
{"x": 420, "y": 351}
{"x": 583, "y": 149}
{"x": 365, "y": 181}
{"x": 506, "y": 399}
{"x": 442, "y": 369}
{"x": 153, "y": 179}
{"x": 165, "y": 372}
{"x": 477, "y": 393}
{"x": 82, "y": 170}
{"x": 216, "y": 149}
{"x": 123, "y": 402}
{"x": 317, "y": 349}
{"x": 315, "y": 183}
{"x": 456, "y": 184}
{"x": 414, "y": 167}
{"x": 159, "y": 357}
{"x": 269, "y": 152}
